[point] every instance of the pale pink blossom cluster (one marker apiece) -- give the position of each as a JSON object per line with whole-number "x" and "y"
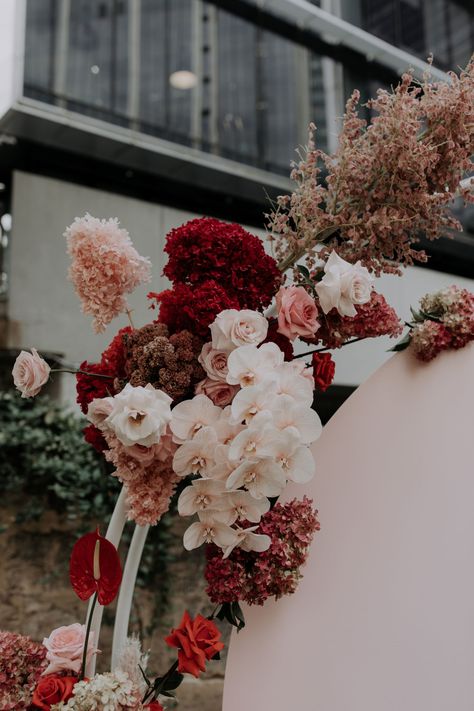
{"x": 135, "y": 424}
{"x": 246, "y": 452}
{"x": 388, "y": 183}
{"x": 105, "y": 267}
{"x": 65, "y": 647}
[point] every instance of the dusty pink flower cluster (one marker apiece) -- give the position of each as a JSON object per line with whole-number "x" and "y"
{"x": 387, "y": 183}
{"x": 254, "y": 577}
{"x": 449, "y": 322}
{"x": 22, "y": 662}
{"x": 148, "y": 476}
{"x": 105, "y": 266}
{"x": 373, "y": 319}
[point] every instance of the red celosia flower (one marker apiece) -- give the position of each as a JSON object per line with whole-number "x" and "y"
{"x": 254, "y": 577}
{"x": 207, "y": 249}
{"x": 193, "y": 308}
{"x": 112, "y": 363}
{"x": 52, "y": 689}
{"x": 324, "y": 369}
{"x": 154, "y": 706}
{"x": 95, "y": 567}
{"x": 197, "y": 641}
{"x": 94, "y": 437}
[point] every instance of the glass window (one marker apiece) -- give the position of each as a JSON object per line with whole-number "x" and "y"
{"x": 39, "y": 44}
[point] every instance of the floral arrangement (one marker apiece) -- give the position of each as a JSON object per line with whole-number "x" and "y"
{"x": 445, "y": 320}
{"x": 212, "y": 402}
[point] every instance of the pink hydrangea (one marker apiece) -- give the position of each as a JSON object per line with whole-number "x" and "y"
{"x": 429, "y": 338}
{"x": 22, "y": 662}
{"x": 147, "y": 474}
{"x": 253, "y": 577}
{"x": 105, "y": 266}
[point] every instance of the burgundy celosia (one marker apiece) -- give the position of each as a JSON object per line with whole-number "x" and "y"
{"x": 112, "y": 364}
{"x": 193, "y": 308}
{"x": 254, "y": 577}
{"x": 22, "y": 662}
{"x": 207, "y": 249}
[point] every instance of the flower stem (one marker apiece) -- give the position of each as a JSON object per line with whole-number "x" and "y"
{"x": 326, "y": 348}
{"x": 82, "y": 372}
{"x": 154, "y": 691}
{"x": 86, "y": 641}
{"x": 129, "y": 316}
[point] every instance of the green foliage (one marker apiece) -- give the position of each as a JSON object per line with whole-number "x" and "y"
{"x": 45, "y": 462}
{"x": 44, "y": 457}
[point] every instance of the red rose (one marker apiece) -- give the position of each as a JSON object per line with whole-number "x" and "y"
{"x": 197, "y": 641}
{"x": 323, "y": 370}
{"x": 51, "y": 690}
{"x": 154, "y": 706}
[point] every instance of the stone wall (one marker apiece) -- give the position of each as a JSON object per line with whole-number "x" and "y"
{"x": 35, "y": 597}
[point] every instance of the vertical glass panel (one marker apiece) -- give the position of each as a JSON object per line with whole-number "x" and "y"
{"x": 165, "y": 49}
{"x": 284, "y": 79}
{"x": 39, "y": 44}
{"x": 412, "y": 31}
{"x": 461, "y": 31}
{"x": 436, "y": 37}
{"x": 238, "y": 89}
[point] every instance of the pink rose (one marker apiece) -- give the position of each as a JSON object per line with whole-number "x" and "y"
{"x": 99, "y": 409}
{"x": 30, "y": 373}
{"x": 220, "y": 393}
{"x": 214, "y": 362}
{"x": 65, "y": 646}
{"x": 297, "y": 312}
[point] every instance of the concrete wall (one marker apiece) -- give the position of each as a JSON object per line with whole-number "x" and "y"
{"x": 45, "y": 310}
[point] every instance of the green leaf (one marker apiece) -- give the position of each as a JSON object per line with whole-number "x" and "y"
{"x": 417, "y": 317}
{"x": 401, "y": 345}
{"x": 304, "y": 271}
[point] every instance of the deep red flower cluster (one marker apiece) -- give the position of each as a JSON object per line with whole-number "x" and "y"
{"x": 206, "y": 248}
{"x": 112, "y": 363}
{"x": 253, "y": 577}
{"x": 274, "y": 336}
{"x": 375, "y": 318}
{"x": 214, "y": 266}
{"x": 193, "y": 308}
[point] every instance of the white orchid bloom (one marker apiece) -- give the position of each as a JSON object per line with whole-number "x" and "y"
{"x": 289, "y": 413}
{"x": 261, "y": 478}
{"x": 290, "y": 382}
{"x": 202, "y": 495}
{"x": 250, "y": 365}
{"x": 251, "y": 400}
{"x": 208, "y": 530}
{"x": 190, "y": 416}
{"x": 296, "y": 461}
{"x": 249, "y": 443}
{"x": 223, "y": 466}
{"x": 197, "y": 455}
{"x": 246, "y": 507}
{"x": 248, "y": 541}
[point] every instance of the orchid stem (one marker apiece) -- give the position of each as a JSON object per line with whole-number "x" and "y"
{"x": 86, "y": 641}
{"x": 326, "y": 348}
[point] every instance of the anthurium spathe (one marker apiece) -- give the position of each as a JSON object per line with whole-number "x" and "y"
{"x": 95, "y": 568}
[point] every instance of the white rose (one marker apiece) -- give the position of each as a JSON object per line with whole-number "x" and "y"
{"x": 139, "y": 415}
{"x": 343, "y": 285}
{"x": 233, "y": 328}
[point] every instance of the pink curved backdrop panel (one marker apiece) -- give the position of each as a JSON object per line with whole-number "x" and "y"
{"x": 384, "y": 617}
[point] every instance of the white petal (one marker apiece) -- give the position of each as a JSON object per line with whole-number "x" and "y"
{"x": 302, "y": 466}
{"x": 193, "y": 536}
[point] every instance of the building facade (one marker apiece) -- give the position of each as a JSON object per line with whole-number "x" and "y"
{"x": 156, "y": 111}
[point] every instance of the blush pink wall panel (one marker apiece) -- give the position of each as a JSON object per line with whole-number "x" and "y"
{"x": 384, "y": 618}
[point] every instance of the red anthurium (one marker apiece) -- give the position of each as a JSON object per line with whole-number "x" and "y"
{"x": 95, "y": 567}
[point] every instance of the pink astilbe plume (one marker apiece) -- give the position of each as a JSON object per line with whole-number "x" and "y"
{"x": 105, "y": 267}
{"x": 388, "y": 183}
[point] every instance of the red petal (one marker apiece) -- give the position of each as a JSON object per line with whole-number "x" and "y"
{"x": 81, "y": 568}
